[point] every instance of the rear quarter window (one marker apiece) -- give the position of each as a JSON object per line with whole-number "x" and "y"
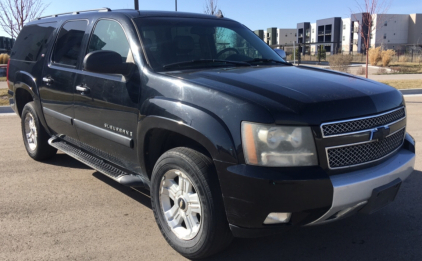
{"x": 32, "y": 42}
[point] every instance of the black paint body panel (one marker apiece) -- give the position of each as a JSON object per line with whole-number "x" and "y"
{"x": 208, "y": 106}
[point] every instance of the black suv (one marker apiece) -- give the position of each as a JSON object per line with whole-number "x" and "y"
{"x": 229, "y": 138}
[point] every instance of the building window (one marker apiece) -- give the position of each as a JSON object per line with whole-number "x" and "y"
{"x": 286, "y": 35}
{"x": 295, "y": 34}
{"x": 312, "y": 39}
{"x": 385, "y": 24}
{"x": 344, "y": 27}
{"x": 385, "y": 36}
{"x": 313, "y": 30}
{"x": 344, "y": 38}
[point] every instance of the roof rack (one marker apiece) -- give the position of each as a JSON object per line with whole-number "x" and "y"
{"x": 104, "y": 9}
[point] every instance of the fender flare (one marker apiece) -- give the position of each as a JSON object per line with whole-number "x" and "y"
{"x": 190, "y": 121}
{"x": 27, "y": 82}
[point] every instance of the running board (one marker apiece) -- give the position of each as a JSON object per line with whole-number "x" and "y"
{"x": 113, "y": 172}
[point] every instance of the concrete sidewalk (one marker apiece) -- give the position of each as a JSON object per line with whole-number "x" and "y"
{"x": 396, "y": 77}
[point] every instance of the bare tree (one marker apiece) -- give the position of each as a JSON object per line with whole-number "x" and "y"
{"x": 369, "y": 9}
{"x": 211, "y": 7}
{"x": 15, "y": 13}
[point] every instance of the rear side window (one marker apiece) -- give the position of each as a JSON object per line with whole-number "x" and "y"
{"x": 69, "y": 41}
{"x": 32, "y": 42}
{"x": 109, "y": 35}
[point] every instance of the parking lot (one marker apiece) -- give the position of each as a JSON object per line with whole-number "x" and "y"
{"x": 63, "y": 210}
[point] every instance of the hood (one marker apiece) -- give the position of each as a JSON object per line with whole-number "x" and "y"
{"x": 300, "y": 95}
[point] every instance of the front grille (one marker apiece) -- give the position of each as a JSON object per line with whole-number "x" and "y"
{"x": 365, "y": 152}
{"x": 343, "y": 127}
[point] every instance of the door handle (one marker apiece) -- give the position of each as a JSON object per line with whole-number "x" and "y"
{"x": 47, "y": 80}
{"x": 83, "y": 89}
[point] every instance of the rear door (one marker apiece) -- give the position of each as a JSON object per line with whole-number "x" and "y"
{"x": 58, "y": 78}
{"x": 106, "y": 114}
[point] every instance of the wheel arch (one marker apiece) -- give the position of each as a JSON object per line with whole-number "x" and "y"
{"x": 186, "y": 125}
{"x": 26, "y": 90}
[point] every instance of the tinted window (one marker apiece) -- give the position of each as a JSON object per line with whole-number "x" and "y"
{"x": 109, "y": 35}
{"x": 32, "y": 42}
{"x": 175, "y": 40}
{"x": 68, "y": 45}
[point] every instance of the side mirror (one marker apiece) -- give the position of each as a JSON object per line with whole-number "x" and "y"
{"x": 106, "y": 62}
{"x": 281, "y": 53}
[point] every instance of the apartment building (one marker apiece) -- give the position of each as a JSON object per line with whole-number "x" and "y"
{"x": 336, "y": 34}
{"x": 391, "y": 31}
{"x": 6, "y": 43}
{"x": 278, "y": 37}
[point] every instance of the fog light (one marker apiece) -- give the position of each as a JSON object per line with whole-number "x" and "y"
{"x": 275, "y": 218}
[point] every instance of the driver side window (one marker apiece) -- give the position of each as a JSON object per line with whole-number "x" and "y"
{"x": 108, "y": 35}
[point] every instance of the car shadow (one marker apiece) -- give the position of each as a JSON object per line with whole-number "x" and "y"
{"x": 393, "y": 233}
{"x": 139, "y": 194}
{"x": 64, "y": 160}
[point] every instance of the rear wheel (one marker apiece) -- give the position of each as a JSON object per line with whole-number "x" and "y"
{"x": 34, "y": 135}
{"x": 187, "y": 203}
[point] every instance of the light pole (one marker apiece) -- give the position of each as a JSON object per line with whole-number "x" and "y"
{"x": 136, "y": 4}
{"x": 175, "y": 2}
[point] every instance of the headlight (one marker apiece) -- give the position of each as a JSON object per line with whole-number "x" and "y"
{"x": 278, "y": 146}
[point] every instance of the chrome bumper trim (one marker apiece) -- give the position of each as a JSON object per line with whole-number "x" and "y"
{"x": 355, "y": 187}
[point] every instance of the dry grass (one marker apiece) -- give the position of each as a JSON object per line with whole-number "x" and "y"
{"x": 340, "y": 62}
{"x": 374, "y": 55}
{"x": 4, "y": 100}
{"x": 386, "y": 57}
{"x": 404, "y": 84}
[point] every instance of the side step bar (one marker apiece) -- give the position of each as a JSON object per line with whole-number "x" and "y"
{"x": 119, "y": 175}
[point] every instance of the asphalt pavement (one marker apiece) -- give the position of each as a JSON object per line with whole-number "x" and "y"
{"x": 63, "y": 210}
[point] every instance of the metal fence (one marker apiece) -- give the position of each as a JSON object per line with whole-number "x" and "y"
{"x": 409, "y": 56}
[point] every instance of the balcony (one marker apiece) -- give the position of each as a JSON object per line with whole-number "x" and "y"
{"x": 320, "y": 32}
{"x": 300, "y": 35}
{"x": 327, "y": 31}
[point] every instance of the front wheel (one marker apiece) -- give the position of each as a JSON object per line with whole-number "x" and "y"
{"x": 187, "y": 203}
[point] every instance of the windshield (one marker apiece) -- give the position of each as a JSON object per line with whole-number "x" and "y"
{"x": 197, "y": 43}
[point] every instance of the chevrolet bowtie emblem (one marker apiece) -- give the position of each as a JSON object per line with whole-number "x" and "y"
{"x": 380, "y": 133}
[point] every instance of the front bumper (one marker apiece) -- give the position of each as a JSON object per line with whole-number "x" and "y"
{"x": 250, "y": 193}
{"x": 356, "y": 187}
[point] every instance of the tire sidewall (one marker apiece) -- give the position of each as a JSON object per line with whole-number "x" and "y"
{"x": 175, "y": 161}
{"x": 30, "y": 109}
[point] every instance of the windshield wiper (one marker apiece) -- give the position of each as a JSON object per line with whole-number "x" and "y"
{"x": 268, "y": 60}
{"x": 206, "y": 61}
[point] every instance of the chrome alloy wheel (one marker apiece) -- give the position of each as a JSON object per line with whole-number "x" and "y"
{"x": 31, "y": 131}
{"x": 181, "y": 205}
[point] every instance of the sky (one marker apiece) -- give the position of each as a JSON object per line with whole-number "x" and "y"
{"x": 255, "y": 14}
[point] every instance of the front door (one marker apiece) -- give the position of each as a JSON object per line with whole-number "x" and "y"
{"x": 106, "y": 105}
{"x": 58, "y": 78}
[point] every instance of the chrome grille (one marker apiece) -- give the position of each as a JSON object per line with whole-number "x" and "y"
{"x": 344, "y": 127}
{"x": 351, "y": 155}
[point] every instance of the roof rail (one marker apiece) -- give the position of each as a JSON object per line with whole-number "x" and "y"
{"x": 104, "y": 9}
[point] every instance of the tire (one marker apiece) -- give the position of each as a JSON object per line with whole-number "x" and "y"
{"x": 34, "y": 135}
{"x": 207, "y": 231}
